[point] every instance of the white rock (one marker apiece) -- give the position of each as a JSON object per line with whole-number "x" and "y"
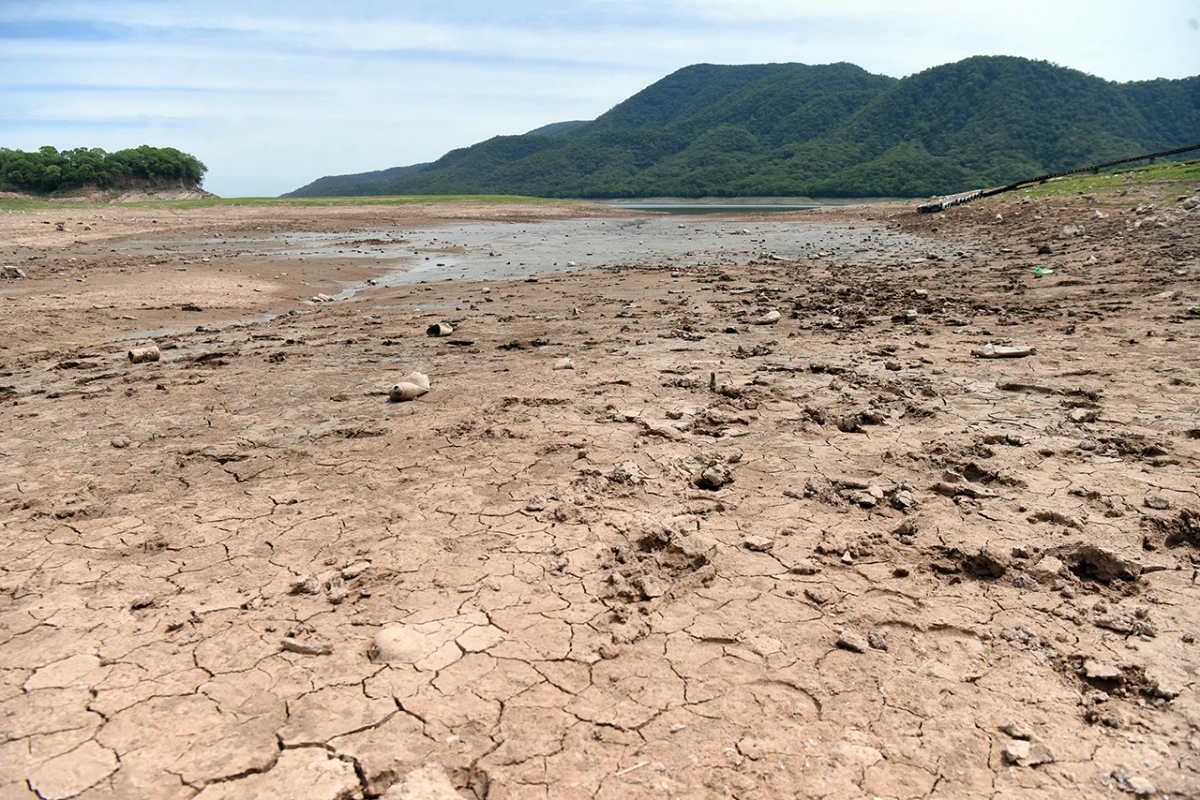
{"x": 417, "y": 378}
{"x": 406, "y": 391}
{"x": 999, "y": 351}
{"x": 1048, "y": 568}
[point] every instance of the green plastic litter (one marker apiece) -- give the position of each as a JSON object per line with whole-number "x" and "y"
{"x": 1043, "y": 271}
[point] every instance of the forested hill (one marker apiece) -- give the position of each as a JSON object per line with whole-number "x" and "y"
{"x": 831, "y": 131}
{"x": 49, "y": 170}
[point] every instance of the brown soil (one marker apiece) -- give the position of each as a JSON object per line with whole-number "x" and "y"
{"x": 833, "y": 556}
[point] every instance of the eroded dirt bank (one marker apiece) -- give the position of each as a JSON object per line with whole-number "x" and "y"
{"x": 632, "y": 543}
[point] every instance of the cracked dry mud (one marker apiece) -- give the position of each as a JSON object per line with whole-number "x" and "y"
{"x": 833, "y": 556}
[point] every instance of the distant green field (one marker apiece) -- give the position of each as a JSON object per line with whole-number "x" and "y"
{"x": 278, "y": 202}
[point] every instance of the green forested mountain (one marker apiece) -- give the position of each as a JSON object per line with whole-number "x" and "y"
{"x": 833, "y": 130}
{"x": 49, "y": 170}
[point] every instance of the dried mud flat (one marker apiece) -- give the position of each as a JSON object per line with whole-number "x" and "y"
{"x": 631, "y": 543}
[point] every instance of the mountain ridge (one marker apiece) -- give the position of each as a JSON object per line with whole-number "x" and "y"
{"x": 832, "y": 130}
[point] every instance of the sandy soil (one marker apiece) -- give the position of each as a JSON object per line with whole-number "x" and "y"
{"x": 632, "y": 543}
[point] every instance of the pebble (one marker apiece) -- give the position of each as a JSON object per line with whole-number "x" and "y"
{"x": 564, "y": 363}
{"x": 819, "y": 594}
{"x": 853, "y": 641}
{"x": 758, "y": 544}
{"x": 1140, "y": 786}
{"x": 878, "y": 640}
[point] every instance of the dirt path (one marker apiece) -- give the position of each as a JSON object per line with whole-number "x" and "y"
{"x": 632, "y": 543}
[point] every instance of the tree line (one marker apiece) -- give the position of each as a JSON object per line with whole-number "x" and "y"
{"x": 50, "y": 170}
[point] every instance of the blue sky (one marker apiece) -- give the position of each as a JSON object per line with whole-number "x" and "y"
{"x": 272, "y": 94}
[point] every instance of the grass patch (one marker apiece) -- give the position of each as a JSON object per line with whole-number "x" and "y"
{"x": 280, "y": 202}
{"x": 1173, "y": 179}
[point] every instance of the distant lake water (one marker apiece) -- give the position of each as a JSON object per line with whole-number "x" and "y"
{"x": 715, "y": 208}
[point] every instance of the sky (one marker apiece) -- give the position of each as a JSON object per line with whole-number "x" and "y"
{"x": 273, "y": 94}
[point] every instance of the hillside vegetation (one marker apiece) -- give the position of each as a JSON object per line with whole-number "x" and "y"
{"x": 830, "y": 131}
{"x": 49, "y": 170}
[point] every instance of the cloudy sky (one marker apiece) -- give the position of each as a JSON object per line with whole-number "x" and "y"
{"x": 272, "y": 94}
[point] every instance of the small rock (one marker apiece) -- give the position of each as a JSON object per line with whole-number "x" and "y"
{"x": 1024, "y": 582}
{"x": 306, "y": 648}
{"x": 770, "y": 318}
{"x": 1096, "y": 671}
{"x": 758, "y": 544}
{"x": 564, "y": 363}
{"x": 1157, "y": 502}
{"x": 713, "y": 478}
{"x": 1140, "y": 786}
{"x": 354, "y": 570}
{"x": 439, "y": 329}
{"x": 819, "y": 594}
{"x": 1017, "y": 730}
{"x": 853, "y": 641}
{"x": 1027, "y": 753}
{"x": 337, "y": 591}
{"x": 307, "y": 584}
{"x": 10, "y": 272}
{"x": 803, "y": 566}
{"x": 652, "y": 586}
{"x": 878, "y": 640}
{"x": 1047, "y": 569}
